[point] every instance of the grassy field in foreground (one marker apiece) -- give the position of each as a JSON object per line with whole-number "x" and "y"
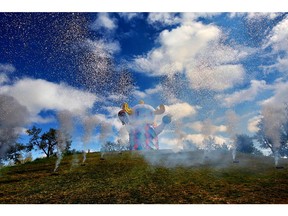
{"x": 128, "y": 178}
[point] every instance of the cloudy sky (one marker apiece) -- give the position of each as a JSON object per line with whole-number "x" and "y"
{"x": 205, "y": 68}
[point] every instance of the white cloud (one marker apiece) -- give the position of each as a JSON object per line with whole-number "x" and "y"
{"x": 262, "y": 15}
{"x": 102, "y": 47}
{"x": 188, "y": 17}
{"x": 170, "y": 143}
{"x": 112, "y": 111}
{"x": 7, "y": 68}
{"x": 129, "y": 15}
{"x": 198, "y": 126}
{"x": 196, "y": 50}
{"x": 278, "y": 37}
{"x": 256, "y": 86}
{"x": 236, "y": 14}
{"x": 104, "y": 21}
{"x": 254, "y": 15}
{"x": 112, "y": 120}
{"x": 38, "y": 95}
{"x": 199, "y": 138}
{"x": 155, "y": 90}
{"x": 221, "y": 128}
{"x": 3, "y": 78}
{"x": 282, "y": 63}
{"x": 252, "y": 124}
{"x": 176, "y": 18}
{"x": 139, "y": 94}
{"x": 117, "y": 97}
{"x": 217, "y": 78}
{"x": 144, "y": 95}
{"x": 42, "y": 120}
{"x": 153, "y": 93}
{"x": 278, "y": 40}
{"x": 160, "y": 90}
{"x": 178, "y": 47}
{"x": 163, "y": 18}
{"x": 181, "y": 110}
{"x": 280, "y": 95}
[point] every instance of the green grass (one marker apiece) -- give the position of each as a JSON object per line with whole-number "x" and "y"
{"x": 128, "y": 178}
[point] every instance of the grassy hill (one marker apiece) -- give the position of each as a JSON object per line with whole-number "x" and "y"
{"x": 128, "y": 178}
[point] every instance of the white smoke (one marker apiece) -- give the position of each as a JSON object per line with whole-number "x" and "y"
{"x": 105, "y": 131}
{"x": 273, "y": 119}
{"x": 207, "y": 132}
{"x": 65, "y": 130}
{"x": 180, "y": 135}
{"x": 89, "y": 123}
{"x": 75, "y": 161}
{"x": 13, "y": 117}
{"x": 232, "y": 123}
{"x": 123, "y": 136}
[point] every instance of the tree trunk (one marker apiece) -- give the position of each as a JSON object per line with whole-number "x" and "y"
{"x": 47, "y": 154}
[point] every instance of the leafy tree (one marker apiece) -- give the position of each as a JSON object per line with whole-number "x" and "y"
{"x": 12, "y": 117}
{"x": 223, "y": 147}
{"x": 210, "y": 144}
{"x": 27, "y": 158}
{"x": 189, "y": 145}
{"x": 47, "y": 142}
{"x": 244, "y": 143}
{"x": 114, "y": 146}
{"x": 266, "y": 142}
{"x": 14, "y": 153}
{"x": 1, "y": 163}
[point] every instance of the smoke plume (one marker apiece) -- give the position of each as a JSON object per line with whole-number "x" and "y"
{"x": 13, "y": 117}
{"x": 273, "y": 119}
{"x": 232, "y": 119}
{"x": 89, "y": 123}
{"x": 105, "y": 131}
{"x": 65, "y": 130}
{"x": 207, "y": 132}
{"x": 123, "y": 135}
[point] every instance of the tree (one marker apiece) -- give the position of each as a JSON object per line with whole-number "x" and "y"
{"x": 114, "y": 146}
{"x": 189, "y": 145}
{"x": 12, "y": 117}
{"x": 209, "y": 143}
{"x": 14, "y": 153}
{"x": 267, "y": 143}
{"x": 244, "y": 143}
{"x": 47, "y": 142}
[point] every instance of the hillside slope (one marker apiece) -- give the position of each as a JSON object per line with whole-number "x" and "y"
{"x": 128, "y": 178}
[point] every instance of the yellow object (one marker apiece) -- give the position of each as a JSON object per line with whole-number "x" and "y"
{"x": 127, "y": 109}
{"x": 141, "y": 102}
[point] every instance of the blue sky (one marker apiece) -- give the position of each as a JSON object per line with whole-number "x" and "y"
{"x": 204, "y": 67}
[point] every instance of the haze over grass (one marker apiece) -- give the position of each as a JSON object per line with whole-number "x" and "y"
{"x": 128, "y": 178}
